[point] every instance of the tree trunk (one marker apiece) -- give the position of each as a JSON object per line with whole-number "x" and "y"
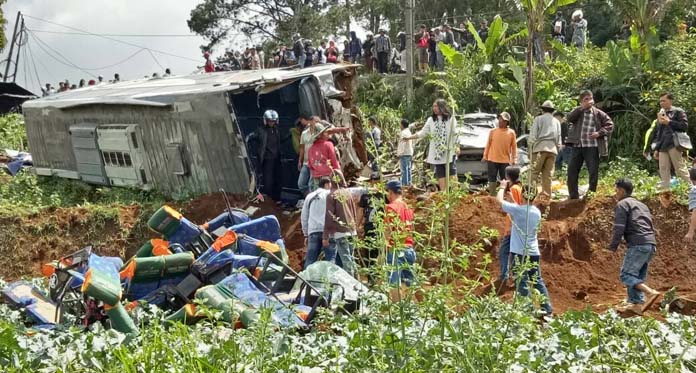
{"x": 529, "y": 78}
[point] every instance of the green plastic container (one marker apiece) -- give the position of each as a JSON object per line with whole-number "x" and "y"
{"x": 215, "y": 298}
{"x": 165, "y": 221}
{"x": 101, "y": 287}
{"x": 161, "y": 267}
{"x": 186, "y": 315}
{"x": 149, "y": 248}
{"x": 120, "y": 320}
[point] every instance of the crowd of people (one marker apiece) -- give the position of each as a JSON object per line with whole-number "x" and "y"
{"x": 578, "y": 138}
{"x": 64, "y": 86}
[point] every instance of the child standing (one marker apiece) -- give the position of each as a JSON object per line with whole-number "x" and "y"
{"x": 405, "y": 153}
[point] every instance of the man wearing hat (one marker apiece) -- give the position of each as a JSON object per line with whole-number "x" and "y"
{"x": 398, "y": 223}
{"x": 500, "y": 151}
{"x": 383, "y": 47}
{"x": 322, "y": 160}
{"x": 545, "y": 142}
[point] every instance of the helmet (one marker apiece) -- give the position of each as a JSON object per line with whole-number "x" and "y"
{"x": 270, "y": 115}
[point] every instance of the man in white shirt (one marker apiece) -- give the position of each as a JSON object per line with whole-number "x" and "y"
{"x": 313, "y": 216}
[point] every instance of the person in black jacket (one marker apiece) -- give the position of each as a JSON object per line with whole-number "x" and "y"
{"x": 265, "y": 142}
{"x": 670, "y": 119}
{"x": 633, "y": 221}
{"x": 298, "y": 48}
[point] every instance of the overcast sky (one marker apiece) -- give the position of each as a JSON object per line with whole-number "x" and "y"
{"x": 90, "y": 52}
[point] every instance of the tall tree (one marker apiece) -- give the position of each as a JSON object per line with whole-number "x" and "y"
{"x": 3, "y": 22}
{"x": 216, "y": 20}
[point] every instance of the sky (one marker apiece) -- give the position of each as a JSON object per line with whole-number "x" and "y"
{"x": 93, "y": 54}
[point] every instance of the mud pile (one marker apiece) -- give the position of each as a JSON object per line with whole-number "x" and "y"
{"x": 26, "y": 242}
{"x": 577, "y": 267}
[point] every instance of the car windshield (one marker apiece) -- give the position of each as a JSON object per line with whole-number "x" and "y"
{"x": 479, "y": 122}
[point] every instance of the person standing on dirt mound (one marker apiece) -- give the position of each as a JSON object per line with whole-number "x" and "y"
{"x": 588, "y": 133}
{"x": 671, "y": 121}
{"x": 398, "y": 222}
{"x": 524, "y": 245}
{"x": 545, "y": 139}
{"x": 633, "y": 221}
{"x": 514, "y": 192}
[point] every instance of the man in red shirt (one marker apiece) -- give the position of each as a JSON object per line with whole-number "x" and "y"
{"x": 398, "y": 227}
{"x": 322, "y": 156}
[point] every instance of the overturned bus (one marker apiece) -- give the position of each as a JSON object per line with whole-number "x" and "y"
{"x": 185, "y": 134}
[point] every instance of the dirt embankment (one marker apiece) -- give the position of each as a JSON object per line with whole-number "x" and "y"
{"x": 26, "y": 242}
{"x": 576, "y": 265}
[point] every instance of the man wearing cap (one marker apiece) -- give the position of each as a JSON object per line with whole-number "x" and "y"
{"x": 545, "y": 142}
{"x": 383, "y": 47}
{"x": 398, "y": 223}
{"x": 588, "y": 133}
{"x": 500, "y": 151}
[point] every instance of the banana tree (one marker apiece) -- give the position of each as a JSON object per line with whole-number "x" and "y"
{"x": 496, "y": 43}
{"x": 644, "y": 15}
{"x": 536, "y": 11}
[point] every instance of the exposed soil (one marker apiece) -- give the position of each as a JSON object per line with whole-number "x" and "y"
{"x": 27, "y": 242}
{"x": 576, "y": 265}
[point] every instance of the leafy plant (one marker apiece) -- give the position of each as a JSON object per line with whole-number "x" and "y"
{"x": 13, "y": 133}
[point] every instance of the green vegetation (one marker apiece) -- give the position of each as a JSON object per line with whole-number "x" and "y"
{"x": 27, "y": 192}
{"x": 13, "y": 134}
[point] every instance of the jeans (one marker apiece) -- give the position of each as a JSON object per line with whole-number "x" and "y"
{"x": 382, "y": 60}
{"x": 314, "y": 247}
{"x": 303, "y": 179}
{"x": 563, "y": 157}
{"x": 343, "y": 247}
{"x": 532, "y": 274}
{"x": 405, "y": 163}
{"x": 589, "y": 156}
{"x": 301, "y": 60}
{"x": 504, "y": 257}
{"x": 403, "y": 262}
{"x": 634, "y": 270}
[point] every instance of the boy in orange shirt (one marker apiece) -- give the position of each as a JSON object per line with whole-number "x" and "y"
{"x": 500, "y": 152}
{"x": 513, "y": 192}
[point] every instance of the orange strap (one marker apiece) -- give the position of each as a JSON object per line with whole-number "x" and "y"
{"x": 268, "y": 246}
{"x": 229, "y": 238}
{"x": 160, "y": 247}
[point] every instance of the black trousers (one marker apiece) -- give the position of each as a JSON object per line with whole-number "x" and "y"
{"x": 382, "y": 60}
{"x": 578, "y": 156}
{"x": 272, "y": 178}
{"x": 496, "y": 171}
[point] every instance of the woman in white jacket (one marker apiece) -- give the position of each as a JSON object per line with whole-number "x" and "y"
{"x": 440, "y": 128}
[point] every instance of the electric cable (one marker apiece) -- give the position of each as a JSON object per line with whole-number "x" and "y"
{"x": 110, "y": 38}
{"x": 67, "y": 62}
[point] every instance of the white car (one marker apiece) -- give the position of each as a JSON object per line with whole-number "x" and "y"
{"x": 473, "y": 130}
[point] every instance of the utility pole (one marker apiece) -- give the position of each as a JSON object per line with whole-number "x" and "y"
{"x": 9, "y": 55}
{"x": 409, "y": 51}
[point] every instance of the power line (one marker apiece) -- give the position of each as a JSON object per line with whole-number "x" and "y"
{"x": 119, "y": 35}
{"x": 42, "y": 65}
{"x": 33, "y": 62}
{"x": 155, "y": 58}
{"x": 43, "y": 47}
{"x": 111, "y": 38}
